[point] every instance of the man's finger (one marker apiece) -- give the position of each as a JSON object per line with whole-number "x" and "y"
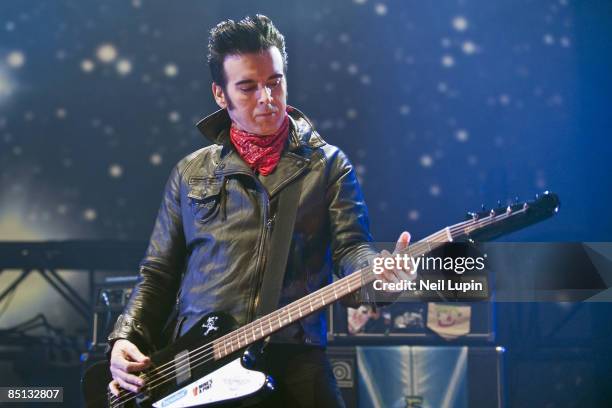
{"x": 133, "y": 366}
{"x": 128, "y": 366}
{"x": 113, "y": 386}
{"x": 133, "y": 353}
{"x": 402, "y": 242}
{"x": 129, "y": 378}
{"x": 405, "y": 275}
{"x": 391, "y": 276}
{"x": 125, "y": 385}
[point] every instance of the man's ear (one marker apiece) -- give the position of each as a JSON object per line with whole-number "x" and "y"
{"x": 219, "y": 95}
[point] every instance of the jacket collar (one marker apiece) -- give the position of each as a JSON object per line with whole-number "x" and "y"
{"x": 302, "y": 139}
{"x": 216, "y": 125}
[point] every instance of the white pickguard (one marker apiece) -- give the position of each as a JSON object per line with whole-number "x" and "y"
{"x": 227, "y": 382}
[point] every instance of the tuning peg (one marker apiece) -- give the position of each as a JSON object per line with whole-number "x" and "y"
{"x": 492, "y": 213}
{"x": 498, "y": 203}
{"x": 508, "y": 210}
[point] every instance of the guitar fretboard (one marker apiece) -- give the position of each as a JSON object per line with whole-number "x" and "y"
{"x": 273, "y": 322}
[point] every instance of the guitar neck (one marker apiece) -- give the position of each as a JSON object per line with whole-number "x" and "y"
{"x": 273, "y": 322}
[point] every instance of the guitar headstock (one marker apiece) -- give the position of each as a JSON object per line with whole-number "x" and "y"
{"x": 488, "y": 225}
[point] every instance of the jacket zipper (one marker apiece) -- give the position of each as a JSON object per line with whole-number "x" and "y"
{"x": 260, "y": 274}
{"x": 260, "y": 254}
{"x": 263, "y": 235}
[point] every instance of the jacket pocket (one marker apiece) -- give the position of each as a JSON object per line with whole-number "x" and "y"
{"x": 204, "y": 200}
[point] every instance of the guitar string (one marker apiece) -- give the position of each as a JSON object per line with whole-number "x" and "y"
{"x": 237, "y": 336}
{"x": 211, "y": 345}
{"x": 242, "y": 334}
{"x": 201, "y": 356}
{"x": 251, "y": 326}
{"x": 203, "y": 353}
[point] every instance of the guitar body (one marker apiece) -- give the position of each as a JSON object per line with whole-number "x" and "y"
{"x": 186, "y": 374}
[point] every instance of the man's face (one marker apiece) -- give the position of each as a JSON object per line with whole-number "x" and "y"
{"x": 256, "y": 91}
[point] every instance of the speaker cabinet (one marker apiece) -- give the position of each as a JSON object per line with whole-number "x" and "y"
{"x": 344, "y": 366}
{"x": 419, "y": 376}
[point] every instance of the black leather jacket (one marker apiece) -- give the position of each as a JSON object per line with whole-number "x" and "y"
{"x": 210, "y": 242}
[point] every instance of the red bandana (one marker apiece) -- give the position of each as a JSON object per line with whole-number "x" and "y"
{"x": 260, "y": 152}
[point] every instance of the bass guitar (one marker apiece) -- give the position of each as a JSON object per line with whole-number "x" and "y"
{"x": 215, "y": 362}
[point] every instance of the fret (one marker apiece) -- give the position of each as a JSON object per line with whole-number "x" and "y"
{"x": 310, "y": 303}
{"x": 300, "y": 310}
{"x": 290, "y": 319}
{"x": 225, "y": 346}
{"x": 261, "y": 328}
{"x": 270, "y": 323}
{"x": 448, "y": 234}
{"x": 420, "y": 249}
{"x": 280, "y": 324}
{"x": 322, "y": 300}
{"x": 348, "y": 283}
{"x": 454, "y": 234}
{"x": 335, "y": 294}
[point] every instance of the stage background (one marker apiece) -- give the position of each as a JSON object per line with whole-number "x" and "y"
{"x": 441, "y": 106}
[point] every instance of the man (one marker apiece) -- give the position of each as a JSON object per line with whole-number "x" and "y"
{"x": 210, "y": 244}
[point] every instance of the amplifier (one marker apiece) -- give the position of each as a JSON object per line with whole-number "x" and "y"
{"x": 413, "y": 322}
{"x": 344, "y": 366}
{"x": 419, "y": 376}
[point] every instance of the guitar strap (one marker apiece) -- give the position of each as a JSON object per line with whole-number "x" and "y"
{"x": 280, "y": 241}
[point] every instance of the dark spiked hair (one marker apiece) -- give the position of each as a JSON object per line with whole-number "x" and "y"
{"x": 251, "y": 34}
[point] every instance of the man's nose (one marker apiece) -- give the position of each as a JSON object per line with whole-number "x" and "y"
{"x": 265, "y": 96}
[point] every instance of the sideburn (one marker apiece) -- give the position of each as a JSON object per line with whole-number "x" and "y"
{"x": 230, "y": 104}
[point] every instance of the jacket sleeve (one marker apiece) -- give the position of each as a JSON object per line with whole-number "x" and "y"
{"x": 161, "y": 269}
{"x": 351, "y": 241}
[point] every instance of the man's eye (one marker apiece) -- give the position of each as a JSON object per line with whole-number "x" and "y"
{"x": 274, "y": 83}
{"x": 249, "y": 89}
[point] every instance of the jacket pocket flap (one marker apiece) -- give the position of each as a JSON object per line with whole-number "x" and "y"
{"x": 208, "y": 188}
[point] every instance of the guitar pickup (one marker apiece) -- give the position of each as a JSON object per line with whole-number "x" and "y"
{"x": 182, "y": 367}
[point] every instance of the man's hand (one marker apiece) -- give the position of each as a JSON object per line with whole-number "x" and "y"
{"x": 396, "y": 275}
{"x": 126, "y": 359}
